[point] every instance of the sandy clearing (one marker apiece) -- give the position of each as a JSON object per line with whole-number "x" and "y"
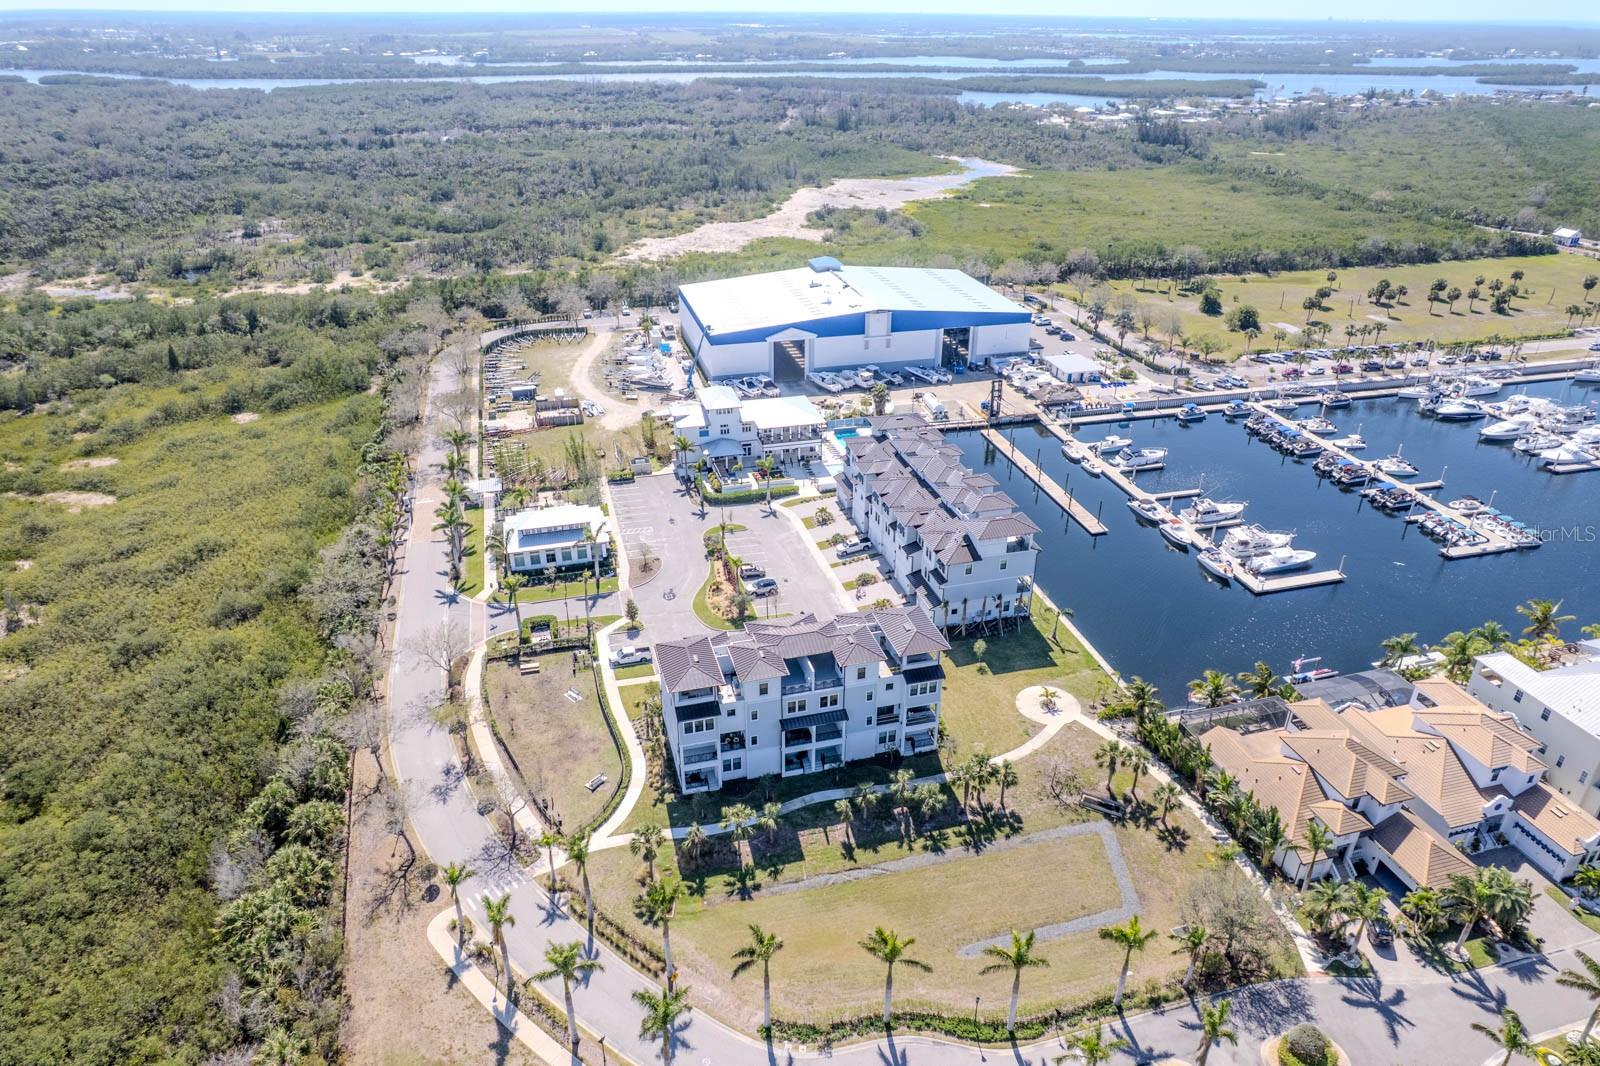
{"x": 789, "y": 220}
{"x": 73, "y": 501}
{"x": 244, "y": 418}
{"x": 94, "y": 463}
{"x": 1287, "y": 327}
{"x": 618, "y": 413}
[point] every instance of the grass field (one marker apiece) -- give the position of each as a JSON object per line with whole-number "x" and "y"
{"x": 556, "y": 743}
{"x": 627, "y": 673}
{"x": 980, "y": 706}
{"x": 1552, "y": 282}
{"x": 822, "y": 974}
{"x": 472, "y": 564}
{"x": 564, "y": 588}
{"x": 1046, "y": 214}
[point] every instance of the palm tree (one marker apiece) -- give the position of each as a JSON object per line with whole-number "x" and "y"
{"x": 1587, "y": 880}
{"x": 1093, "y": 1049}
{"x": 1587, "y": 982}
{"x": 1138, "y": 761}
{"x": 1167, "y": 796}
{"x": 1018, "y": 957}
{"x": 1544, "y": 619}
{"x": 497, "y": 912}
{"x": 1319, "y": 838}
{"x": 1130, "y": 936}
{"x": 1493, "y": 634}
{"x": 1266, "y": 832}
{"x": 1005, "y": 776}
{"x": 1365, "y": 903}
{"x": 646, "y": 843}
{"x": 736, "y": 822}
{"x": 889, "y": 948}
{"x": 1425, "y": 908}
{"x": 770, "y": 820}
{"x": 661, "y": 1013}
{"x": 1110, "y": 756}
{"x": 680, "y": 448}
{"x": 455, "y": 875}
{"x": 1469, "y": 900}
{"x": 567, "y": 962}
{"x": 510, "y": 585}
{"x": 658, "y": 906}
{"x": 1510, "y": 1036}
{"x": 1324, "y": 906}
{"x": 577, "y": 848}
{"x": 1192, "y": 942}
{"x": 1399, "y": 647}
{"x": 1143, "y": 699}
{"x": 1460, "y": 652}
{"x": 767, "y": 465}
{"x": 1214, "y": 688}
{"x": 695, "y": 842}
{"x": 1214, "y": 1029}
{"x": 762, "y": 947}
{"x": 846, "y": 812}
{"x": 548, "y": 841}
{"x": 1260, "y": 682}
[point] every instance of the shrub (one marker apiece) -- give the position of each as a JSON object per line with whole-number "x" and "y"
{"x": 1304, "y": 1045}
{"x": 1210, "y": 303}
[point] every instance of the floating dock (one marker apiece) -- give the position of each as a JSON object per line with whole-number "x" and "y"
{"x": 1059, "y": 496}
{"x": 1261, "y": 586}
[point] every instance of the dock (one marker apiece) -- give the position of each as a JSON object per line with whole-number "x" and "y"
{"x": 1494, "y": 542}
{"x": 1059, "y": 496}
{"x": 1261, "y": 586}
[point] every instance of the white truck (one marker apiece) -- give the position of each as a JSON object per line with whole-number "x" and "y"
{"x": 934, "y": 407}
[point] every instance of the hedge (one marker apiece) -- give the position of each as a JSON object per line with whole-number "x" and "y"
{"x": 745, "y": 495}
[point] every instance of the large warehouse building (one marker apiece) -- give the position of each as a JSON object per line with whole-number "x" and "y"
{"x": 827, "y": 316}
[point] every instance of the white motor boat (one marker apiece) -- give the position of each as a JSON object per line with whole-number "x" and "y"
{"x": 1175, "y": 532}
{"x": 1474, "y": 385}
{"x": 864, "y": 378}
{"x": 1148, "y": 509}
{"x": 826, "y": 381}
{"x": 1131, "y": 459}
{"x": 1395, "y": 465}
{"x": 1567, "y": 453}
{"x": 1336, "y": 399}
{"x": 1355, "y": 442}
{"x": 1587, "y": 435}
{"x": 1206, "y": 513}
{"x": 1589, "y": 375}
{"x": 1535, "y": 443}
{"x": 1246, "y": 542}
{"x": 1514, "y": 428}
{"x": 1113, "y": 443}
{"x": 1216, "y": 563}
{"x": 1417, "y": 392}
{"x": 1280, "y": 560}
{"x": 1283, "y": 403}
{"x": 1459, "y": 410}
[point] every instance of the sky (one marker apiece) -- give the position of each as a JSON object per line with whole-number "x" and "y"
{"x": 1525, "y": 12}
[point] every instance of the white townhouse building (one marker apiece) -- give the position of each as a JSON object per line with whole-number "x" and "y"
{"x": 563, "y": 535}
{"x": 1560, "y": 705}
{"x": 1410, "y": 789}
{"x": 799, "y": 696}
{"x": 732, "y": 433}
{"x": 951, "y": 540}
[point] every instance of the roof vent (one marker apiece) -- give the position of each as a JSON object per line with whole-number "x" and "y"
{"x": 695, "y": 658}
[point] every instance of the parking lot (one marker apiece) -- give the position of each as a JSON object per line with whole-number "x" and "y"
{"x": 656, "y": 518}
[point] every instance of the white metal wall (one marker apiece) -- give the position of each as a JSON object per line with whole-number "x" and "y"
{"x": 735, "y": 360}
{"x": 836, "y": 353}
{"x": 1008, "y": 339}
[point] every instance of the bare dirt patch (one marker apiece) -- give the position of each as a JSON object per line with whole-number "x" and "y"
{"x": 72, "y": 501}
{"x": 404, "y": 1006}
{"x": 789, "y": 220}
{"x": 93, "y": 463}
{"x": 244, "y": 418}
{"x": 23, "y": 564}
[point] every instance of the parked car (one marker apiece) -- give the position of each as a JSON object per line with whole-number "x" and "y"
{"x": 1420, "y": 360}
{"x": 853, "y": 547}
{"x": 1343, "y": 368}
{"x": 1371, "y": 366}
{"x": 1069, "y": 337}
{"x": 750, "y": 571}
{"x": 630, "y": 656}
{"x": 763, "y": 586}
{"x": 1380, "y": 931}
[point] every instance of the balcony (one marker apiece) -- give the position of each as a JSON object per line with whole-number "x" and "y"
{"x": 702, "y": 754}
{"x": 796, "y": 738}
{"x": 1013, "y": 546}
{"x": 828, "y": 732}
{"x": 732, "y": 741}
{"x": 828, "y": 758}
{"x": 887, "y": 717}
{"x": 920, "y": 716}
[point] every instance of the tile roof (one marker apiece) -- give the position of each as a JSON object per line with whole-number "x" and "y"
{"x": 1417, "y": 848}
{"x": 1352, "y": 768}
{"x": 1558, "y": 818}
{"x": 687, "y": 664}
{"x": 1433, "y": 771}
{"x": 1280, "y": 782}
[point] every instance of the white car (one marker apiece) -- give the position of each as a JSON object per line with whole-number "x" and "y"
{"x": 630, "y": 656}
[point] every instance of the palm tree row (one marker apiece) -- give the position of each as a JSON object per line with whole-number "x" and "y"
{"x": 1458, "y": 651}
{"x": 451, "y": 514}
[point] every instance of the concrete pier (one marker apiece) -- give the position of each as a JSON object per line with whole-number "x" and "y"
{"x": 1059, "y": 496}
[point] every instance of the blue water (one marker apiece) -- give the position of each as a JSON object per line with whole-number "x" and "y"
{"x": 1152, "y": 611}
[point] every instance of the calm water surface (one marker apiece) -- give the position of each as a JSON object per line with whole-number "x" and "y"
{"x": 1152, "y": 611}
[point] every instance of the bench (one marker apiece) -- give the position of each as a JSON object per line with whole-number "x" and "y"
{"x": 595, "y": 782}
{"x": 529, "y": 666}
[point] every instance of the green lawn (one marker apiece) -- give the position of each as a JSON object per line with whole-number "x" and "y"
{"x": 980, "y": 705}
{"x": 1591, "y": 920}
{"x": 557, "y": 744}
{"x": 702, "y": 606}
{"x": 565, "y": 588}
{"x": 627, "y": 673}
{"x": 1552, "y": 282}
{"x": 472, "y": 570}
{"x": 634, "y": 698}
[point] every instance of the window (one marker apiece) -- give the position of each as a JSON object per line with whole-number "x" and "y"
{"x": 1495, "y": 776}
{"x": 794, "y": 706}
{"x": 1544, "y": 715}
{"x": 763, "y": 690}
{"x": 1516, "y": 697}
{"x": 1559, "y": 760}
{"x": 566, "y": 555}
{"x": 1002, "y": 564}
{"x": 1583, "y": 778}
{"x": 731, "y": 765}
{"x": 702, "y": 725}
{"x": 969, "y": 570}
{"x": 732, "y": 711}
{"x": 861, "y": 673}
{"x": 705, "y": 433}
{"x": 754, "y": 740}
{"x": 830, "y": 700}
{"x": 888, "y": 686}
{"x": 754, "y": 714}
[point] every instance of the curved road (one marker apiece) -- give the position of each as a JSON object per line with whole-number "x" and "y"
{"x": 1416, "y": 1022}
